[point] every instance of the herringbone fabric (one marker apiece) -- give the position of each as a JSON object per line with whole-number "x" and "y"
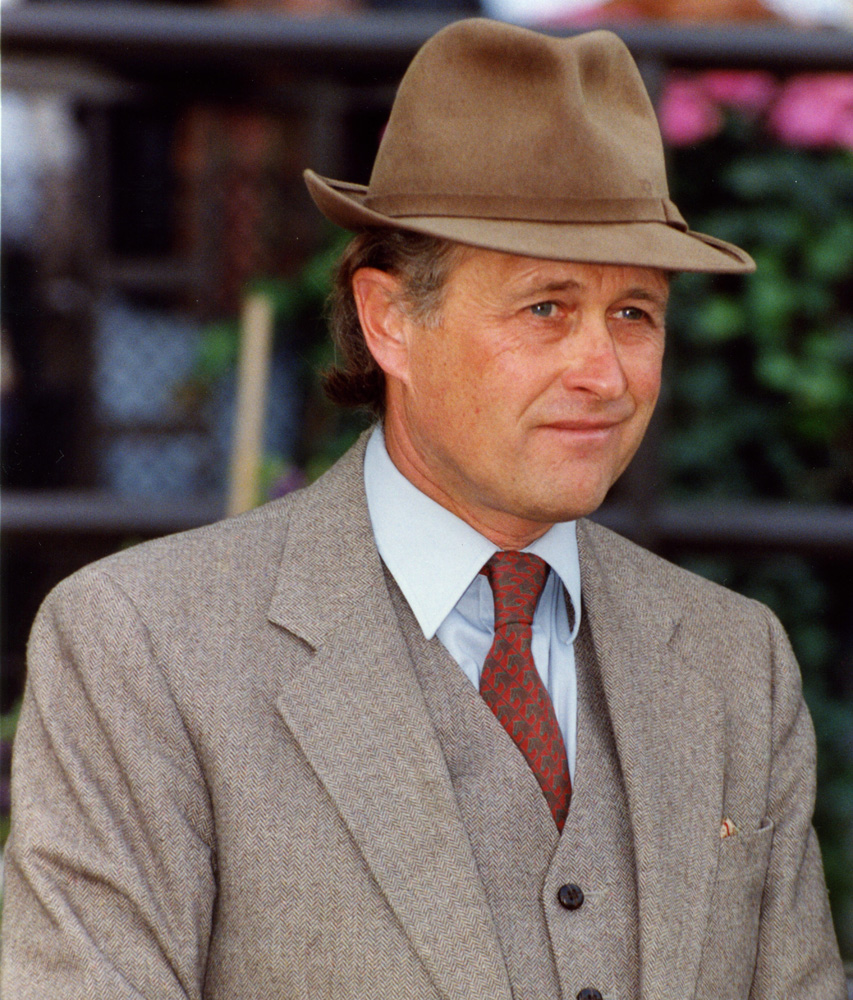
{"x": 510, "y": 682}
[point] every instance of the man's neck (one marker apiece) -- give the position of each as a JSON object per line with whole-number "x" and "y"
{"x": 505, "y": 530}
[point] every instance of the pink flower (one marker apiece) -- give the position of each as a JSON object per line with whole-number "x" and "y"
{"x": 746, "y": 90}
{"x": 815, "y": 109}
{"x": 686, "y": 113}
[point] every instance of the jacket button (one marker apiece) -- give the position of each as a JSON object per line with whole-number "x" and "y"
{"x": 587, "y": 993}
{"x": 571, "y": 896}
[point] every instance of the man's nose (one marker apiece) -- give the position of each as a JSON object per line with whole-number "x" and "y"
{"x": 593, "y": 363}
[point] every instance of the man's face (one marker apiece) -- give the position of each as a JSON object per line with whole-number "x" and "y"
{"x": 531, "y": 395}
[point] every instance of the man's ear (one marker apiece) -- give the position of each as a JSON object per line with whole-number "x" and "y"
{"x": 385, "y": 325}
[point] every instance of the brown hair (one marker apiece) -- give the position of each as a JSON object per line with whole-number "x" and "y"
{"x": 423, "y": 265}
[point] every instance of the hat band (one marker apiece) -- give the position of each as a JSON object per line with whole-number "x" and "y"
{"x": 527, "y": 209}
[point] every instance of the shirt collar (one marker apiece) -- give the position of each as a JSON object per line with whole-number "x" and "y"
{"x": 434, "y": 555}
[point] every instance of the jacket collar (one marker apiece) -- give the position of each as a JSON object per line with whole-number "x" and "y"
{"x": 358, "y": 712}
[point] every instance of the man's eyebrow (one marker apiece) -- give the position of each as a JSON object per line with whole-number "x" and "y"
{"x": 658, "y": 298}
{"x": 557, "y": 286}
{"x": 567, "y": 285}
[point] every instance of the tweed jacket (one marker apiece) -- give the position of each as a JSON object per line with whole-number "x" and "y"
{"x": 226, "y": 784}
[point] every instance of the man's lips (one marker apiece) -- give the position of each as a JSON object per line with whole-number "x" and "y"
{"x": 583, "y": 432}
{"x": 582, "y": 426}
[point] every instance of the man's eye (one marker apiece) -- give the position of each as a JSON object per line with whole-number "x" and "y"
{"x": 545, "y": 310}
{"x": 633, "y": 314}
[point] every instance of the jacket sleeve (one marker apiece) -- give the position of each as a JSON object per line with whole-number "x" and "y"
{"x": 110, "y": 881}
{"x": 797, "y": 951}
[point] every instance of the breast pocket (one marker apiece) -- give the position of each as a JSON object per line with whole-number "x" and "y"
{"x": 745, "y": 852}
{"x": 728, "y": 955}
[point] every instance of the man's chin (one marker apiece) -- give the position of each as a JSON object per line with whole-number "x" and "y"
{"x": 555, "y": 509}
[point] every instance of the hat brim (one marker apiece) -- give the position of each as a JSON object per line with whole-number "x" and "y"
{"x": 639, "y": 244}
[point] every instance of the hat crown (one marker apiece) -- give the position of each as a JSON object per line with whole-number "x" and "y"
{"x": 523, "y": 143}
{"x": 491, "y": 112}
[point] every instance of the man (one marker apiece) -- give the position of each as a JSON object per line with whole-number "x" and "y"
{"x": 418, "y": 732}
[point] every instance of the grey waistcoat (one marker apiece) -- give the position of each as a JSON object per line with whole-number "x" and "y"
{"x": 550, "y": 952}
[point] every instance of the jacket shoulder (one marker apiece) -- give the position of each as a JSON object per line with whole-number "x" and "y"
{"x": 242, "y": 552}
{"x": 191, "y": 559}
{"x": 693, "y": 599}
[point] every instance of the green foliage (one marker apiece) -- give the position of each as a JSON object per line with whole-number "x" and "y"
{"x": 298, "y": 309}
{"x": 8, "y": 725}
{"x": 9, "y": 722}
{"x": 760, "y": 404}
{"x": 297, "y": 305}
{"x": 763, "y": 368}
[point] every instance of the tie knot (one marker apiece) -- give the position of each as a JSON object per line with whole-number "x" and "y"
{"x": 517, "y": 579}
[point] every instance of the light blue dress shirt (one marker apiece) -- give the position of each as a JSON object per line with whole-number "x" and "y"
{"x": 436, "y": 558}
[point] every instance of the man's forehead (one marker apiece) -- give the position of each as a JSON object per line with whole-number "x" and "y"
{"x": 519, "y": 273}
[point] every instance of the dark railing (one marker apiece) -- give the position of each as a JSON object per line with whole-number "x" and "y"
{"x": 375, "y": 45}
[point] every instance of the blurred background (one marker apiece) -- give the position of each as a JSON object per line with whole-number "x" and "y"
{"x": 151, "y": 188}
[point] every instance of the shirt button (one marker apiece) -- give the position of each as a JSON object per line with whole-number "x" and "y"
{"x": 571, "y": 896}
{"x": 587, "y": 993}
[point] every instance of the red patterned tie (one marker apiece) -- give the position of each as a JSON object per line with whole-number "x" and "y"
{"x": 510, "y": 682}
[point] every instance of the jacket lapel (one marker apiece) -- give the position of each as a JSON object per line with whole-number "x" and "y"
{"x": 356, "y": 708}
{"x": 668, "y": 726}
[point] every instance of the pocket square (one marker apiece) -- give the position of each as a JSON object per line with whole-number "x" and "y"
{"x": 728, "y": 829}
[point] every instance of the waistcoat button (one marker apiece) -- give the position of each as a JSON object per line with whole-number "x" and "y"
{"x": 587, "y": 993}
{"x": 571, "y": 896}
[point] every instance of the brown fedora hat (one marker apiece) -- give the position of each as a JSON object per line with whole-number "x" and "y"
{"x": 511, "y": 140}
